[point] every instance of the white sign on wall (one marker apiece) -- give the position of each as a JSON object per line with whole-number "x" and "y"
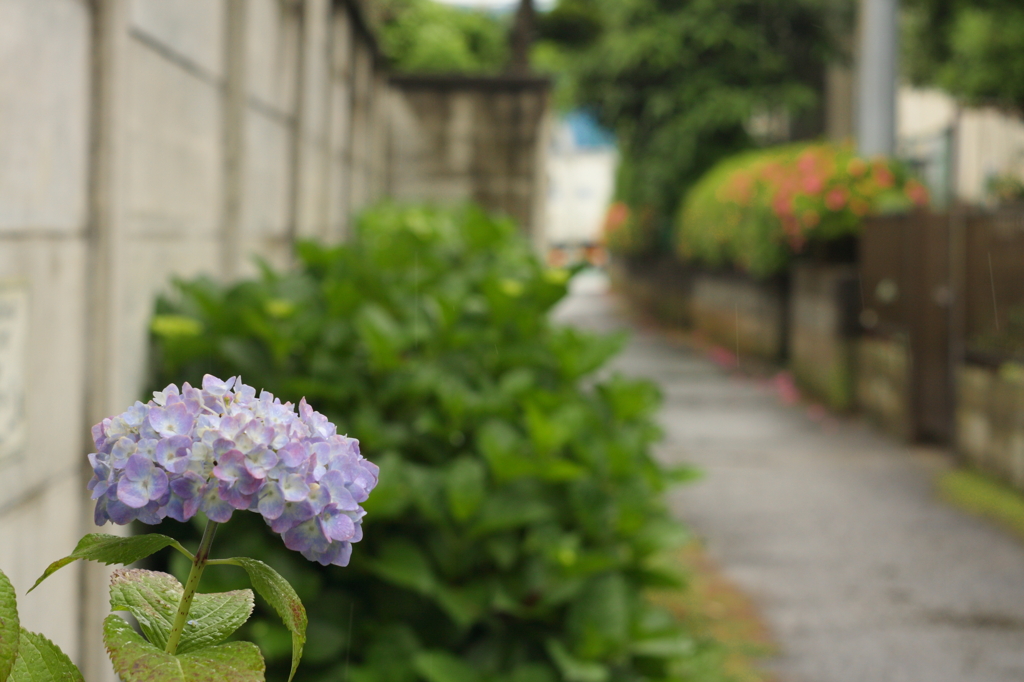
{"x": 13, "y": 345}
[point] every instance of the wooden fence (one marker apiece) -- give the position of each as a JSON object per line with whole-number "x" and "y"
{"x": 947, "y": 289}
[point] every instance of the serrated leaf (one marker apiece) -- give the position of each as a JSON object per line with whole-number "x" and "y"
{"x": 136, "y": 660}
{"x": 10, "y": 627}
{"x": 40, "y": 660}
{"x": 272, "y": 586}
{"x": 110, "y": 549}
{"x": 153, "y": 599}
{"x": 441, "y": 666}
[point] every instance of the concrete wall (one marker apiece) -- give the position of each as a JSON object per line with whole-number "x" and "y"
{"x": 883, "y": 384}
{"x": 480, "y": 139}
{"x": 660, "y": 287}
{"x": 744, "y": 316}
{"x": 146, "y": 139}
{"x": 990, "y": 422}
{"x": 820, "y": 332}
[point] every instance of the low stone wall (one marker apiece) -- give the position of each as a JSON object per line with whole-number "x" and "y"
{"x": 661, "y": 288}
{"x": 882, "y": 384}
{"x": 821, "y": 331}
{"x": 743, "y": 315}
{"x": 990, "y": 422}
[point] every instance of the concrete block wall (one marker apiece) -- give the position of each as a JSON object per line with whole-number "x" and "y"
{"x": 44, "y": 223}
{"x": 745, "y": 316}
{"x": 142, "y": 140}
{"x": 821, "y": 346}
{"x": 882, "y": 386}
{"x": 479, "y": 139}
{"x": 990, "y": 422}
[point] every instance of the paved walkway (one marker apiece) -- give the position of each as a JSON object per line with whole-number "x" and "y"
{"x": 834, "y": 530}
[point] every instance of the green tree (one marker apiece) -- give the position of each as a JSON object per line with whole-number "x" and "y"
{"x": 679, "y": 80}
{"x": 423, "y": 36}
{"x": 974, "y": 49}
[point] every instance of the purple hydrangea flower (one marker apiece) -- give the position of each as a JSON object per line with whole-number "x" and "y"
{"x": 220, "y": 449}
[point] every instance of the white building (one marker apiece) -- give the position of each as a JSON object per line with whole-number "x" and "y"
{"x": 581, "y": 178}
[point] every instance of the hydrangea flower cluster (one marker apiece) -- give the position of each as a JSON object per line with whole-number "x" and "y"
{"x": 219, "y": 449}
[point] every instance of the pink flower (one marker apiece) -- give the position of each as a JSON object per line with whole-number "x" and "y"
{"x": 883, "y": 176}
{"x": 836, "y": 199}
{"x": 916, "y": 192}
{"x": 813, "y": 184}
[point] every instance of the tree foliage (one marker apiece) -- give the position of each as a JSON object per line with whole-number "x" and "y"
{"x": 973, "y": 49}
{"x": 679, "y": 80}
{"x": 424, "y": 36}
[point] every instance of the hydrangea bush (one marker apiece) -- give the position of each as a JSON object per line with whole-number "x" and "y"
{"x": 212, "y": 451}
{"x": 519, "y": 522}
{"x": 757, "y": 210}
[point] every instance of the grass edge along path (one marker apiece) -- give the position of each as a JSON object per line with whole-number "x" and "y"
{"x": 713, "y": 607}
{"x": 982, "y": 495}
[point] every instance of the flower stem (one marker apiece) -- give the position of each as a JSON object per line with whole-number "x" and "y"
{"x": 198, "y": 564}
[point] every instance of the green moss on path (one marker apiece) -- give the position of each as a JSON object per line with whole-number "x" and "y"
{"x": 982, "y": 495}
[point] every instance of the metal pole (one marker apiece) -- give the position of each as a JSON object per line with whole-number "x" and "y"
{"x": 877, "y": 77}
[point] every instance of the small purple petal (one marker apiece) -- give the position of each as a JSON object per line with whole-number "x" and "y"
{"x": 271, "y": 501}
{"x": 172, "y": 420}
{"x": 134, "y": 494}
{"x": 294, "y": 488}
{"x": 337, "y": 525}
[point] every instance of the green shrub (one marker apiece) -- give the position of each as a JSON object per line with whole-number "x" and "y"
{"x": 756, "y": 210}
{"x": 519, "y": 517}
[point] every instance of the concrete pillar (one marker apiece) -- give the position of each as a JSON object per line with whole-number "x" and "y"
{"x": 105, "y": 345}
{"x": 876, "y": 88}
{"x": 235, "y": 93}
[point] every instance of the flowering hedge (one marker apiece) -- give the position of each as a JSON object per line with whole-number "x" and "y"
{"x": 756, "y": 210}
{"x": 518, "y": 520}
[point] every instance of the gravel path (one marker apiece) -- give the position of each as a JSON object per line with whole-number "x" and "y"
{"x": 834, "y": 530}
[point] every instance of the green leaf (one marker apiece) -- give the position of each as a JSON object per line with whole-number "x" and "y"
{"x": 599, "y": 617}
{"x": 392, "y": 495}
{"x": 464, "y": 604}
{"x": 505, "y": 510}
{"x": 381, "y": 335}
{"x": 153, "y": 599}
{"x": 532, "y": 672}
{"x": 441, "y": 666}
{"x": 272, "y": 586}
{"x": 40, "y": 660}
{"x": 402, "y": 563}
{"x": 573, "y": 669}
{"x": 10, "y": 628}
{"x": 136, "y": 660}
{"x": 504, "y": 448}
{"x": 111, "y": 549}
{"x": 465, "y": 486}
